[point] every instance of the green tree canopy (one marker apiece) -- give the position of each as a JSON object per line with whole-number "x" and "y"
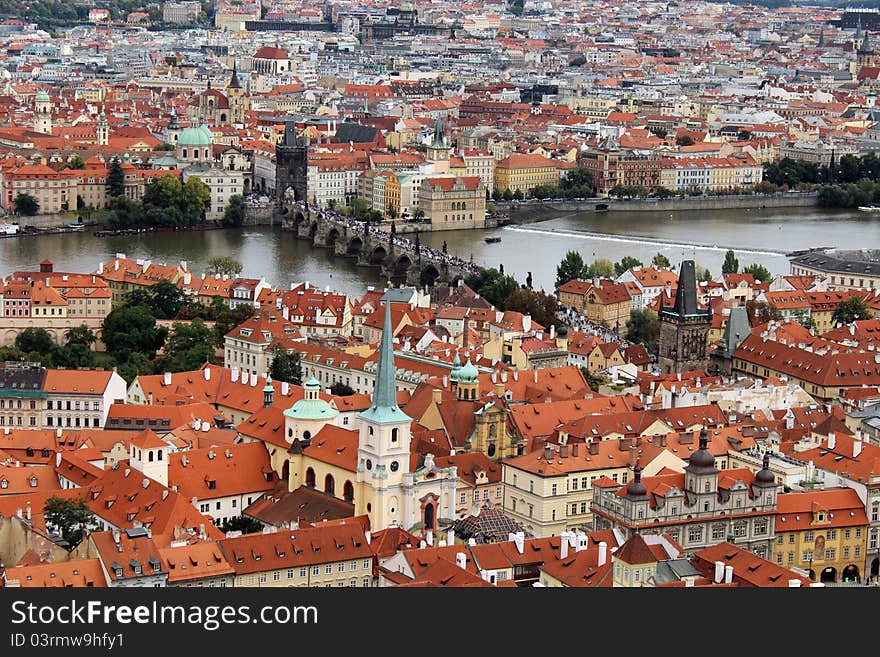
{"x": 760, "y": 312}
{"x": 76, "y": 162}
{"x": 26, "y": 205}
{"x": 626, "y": 263}
{"x": 340, "y": 389}
{"x": 600, "y": 268}
{"x": 659, "y": 260}
{"x": 570, "y": 268}
{"x": 702, "y": 273}
{"x": 684, "y": 140}
{"x": 234, "y": 213}
{"x": 77, "y": 350}
{"x": 130, "y": 330}
{"x": 758, "y": 272}
{"x": 189, "y": 346}
{"x": 731, "y": 263}
{"x": 285, "y": 366}
{"x": 115, "y": 179}
{"x": 643, "y": 328}
{"x": 541, "y": 307}
{"x": 220, "y": 265}
{"x": 71, "y": 517}
{"x": 492, "y": 285}
{"x": 851, "y": 310}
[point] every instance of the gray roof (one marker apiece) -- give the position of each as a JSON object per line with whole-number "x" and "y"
{"x": 674, "y": 570}
{"x": 736, "y": 330}
{"x": 866, "y": 261}
{"x": 355, "y": 132}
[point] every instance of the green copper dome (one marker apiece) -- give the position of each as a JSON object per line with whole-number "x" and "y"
{"x": 193, "y": 137}
{"x": 42, "y": 96}
{"x": 311, "y": 407}
{"x": 468, "y": 373}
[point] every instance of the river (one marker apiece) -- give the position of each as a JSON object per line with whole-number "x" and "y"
{"x": 761, "y": 236}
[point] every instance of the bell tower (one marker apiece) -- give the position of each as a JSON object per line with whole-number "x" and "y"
{"x": 438, "y": 151}
{"x": 43, "y": 113}
{"x": 384, "y": 442}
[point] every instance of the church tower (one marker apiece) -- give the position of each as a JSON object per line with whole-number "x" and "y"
{"x": 866, "y": 56}
{"x": 102, "y": 132}
{"x": 438, "y": 151}
{"x": 684, "y": 327}
{"x": 43, "y": 113}
{"x": 238, "y": 102}
{"x": 384, "y": 442}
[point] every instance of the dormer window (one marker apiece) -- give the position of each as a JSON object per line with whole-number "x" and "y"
{"x": 4, "y": 483}
{"x": 33, "y": 482}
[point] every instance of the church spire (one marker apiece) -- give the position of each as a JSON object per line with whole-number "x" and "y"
{"x": 233, "y": 82}
{"x": 383, "y": 407}
{"x": 438, "y": 135}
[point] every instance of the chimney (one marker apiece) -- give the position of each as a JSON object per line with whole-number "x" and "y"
{"x": 429, "y": 537}
{"x": 603, "y": 552}
{"x": 166, "y": 380}
{"x": 27, "y": 510}
{"x": 499, "y": 390}
{"x": 728, "y": 574}
{"x": 689, "y": 583}
{"x": 593, "y": 447}
{"x": 719, "y": 572}
{"x": 535, "y": 375}
{"x": 450, "y": 537}
{"x": 574, "y": 449}
{"x": 624, "y": 443}
{"x": 563, "y": 451}
{"x": 150, "y": 399}
{"x": 461, "y": 560}
{"x": 794, "y": 583}
{"x": 548, "y": 452}
{"x": 519, "y": 539}
{"x": 234, "y": 375}
{"x": 207, "y": 372}
{"x": 445, "y": 381}
{"x": 57, "y": 432}
{"x": 832, "y": 440}
{"x": 857, "y": 448}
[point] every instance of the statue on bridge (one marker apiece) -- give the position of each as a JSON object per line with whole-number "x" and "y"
{"x": 501, "y": 268}
{"x": 529, "y": 280}
{"x": 418, "y": 248}
{"x": 444, "y": 246}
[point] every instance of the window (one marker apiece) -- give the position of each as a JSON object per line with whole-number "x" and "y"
{"x": 574, "y": 509}
{"x": 316, "y": 570}
{"x": 276, "y": 576}
{"x": 463, "y": 498}
{"x": 760, "y": 526}
{"x": 779, "y": 558}
{"x": 498, "y": 491}
{"x": 779, "y": 539}
{"x": 809, "y": 537}
{"x": 846, "y": 553}
{"x": 791, "y": 557}
{"x": 807, "y": 555}
{"x": 328, "y": 569}
{"x": 858, "y": 551}
{"x": 366, "y": 564}
{"x": 717, "y": 532}
{"x": 858, "y": 532}
{"x": 553, "y": 489}
{"x": 353, "y": 565}
{"x": 341, "y": 567}
{"x": 574, "y": 484}
{"x": 695, "y": 534}
{"x": 739, "y": 529}
{"x": 791, "y": 538}
{"x": 263, "y": 578}
{"x": 846, "y": 533}
{"x": 290, "y": 573}
{"x": 832, "y": 533}
{"x": 830, "y": 554}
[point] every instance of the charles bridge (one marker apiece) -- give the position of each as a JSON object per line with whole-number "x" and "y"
{"x": 401, "y": 259}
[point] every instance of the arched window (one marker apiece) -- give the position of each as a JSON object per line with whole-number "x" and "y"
{"x": 394, "y": 434}
{"x": 310, "y": 478}
{"x": 348, "y": 492}
{"x": 185, "y": 154}
{"x": 150, "y": 456}
{"x": 329, "y": 485}
{"x": 429, "y": 516}
{"x": 307, "y": 435}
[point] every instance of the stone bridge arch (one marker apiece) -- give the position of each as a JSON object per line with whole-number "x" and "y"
{"x": 354, "y": 245}
{"x": 377, "y": 255}
{"x": 333, "y": 236}
{"x": 402, "y": 264}
{"x": 429, "y": 275}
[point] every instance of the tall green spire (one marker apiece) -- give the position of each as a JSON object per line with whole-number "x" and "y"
{"x": 438, "y": 135}
{"x": 384, "y": 407}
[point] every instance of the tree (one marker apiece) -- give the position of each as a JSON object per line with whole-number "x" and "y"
{"x": 115, "y": 179}
{"x": 570, "y": 268}
{"x": 626, "y": 263}
{"x": 71, "y": 517}
{"x": 226, "y": 318}
{"x": 340, "y": 389}
{"x": 76, "y": 162}
{"x": 228, "y": 265}
{"x": 702, "y": 273}
{"x": 541, "y": 307}
{"x": 196, "y": 197}
{"x": 659, "y": 260}
{"x": 34, "y": 339}
{"x": 189, "y": 346}
{"x": 758, "y": 272}
{"x": 166, "y": 299}
{"x": 578, "y": 183}
{"x": 285, "y": 366}
{"x": 243, "y": 524}
{"x": 125, "y": 212}
{"x": 760, "y": 312}
{"x": 663, "y": 192}
{"x": 593, "y": 380}
{"x": 418, "y": 214}
{"x": 77, "y": 350}
{"x": 731, "y": 263}
{"x": 518, "y": 194}
{"x": 138, "y": 364}
{"x": 129, "y": 330}
{"x": 849, "y": 310}
{"x": 600, "y": 268}
{"x": 491, "y": 284}
{"x": 643, "y": 328}
{"x": 684, "y": 140}
{"x": 234, "y": 213}
{"x": 26, "y": 205}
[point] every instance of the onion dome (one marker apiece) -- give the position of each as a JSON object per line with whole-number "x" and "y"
{"x": 702, "y": 458}
{"x": 636, "y": 488}
{"x": 764, "y": 477}
{"x": 468, "y": 373}
{"x": 456, "y": 368}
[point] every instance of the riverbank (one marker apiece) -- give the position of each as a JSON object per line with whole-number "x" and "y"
{"x": 532, "y": 210}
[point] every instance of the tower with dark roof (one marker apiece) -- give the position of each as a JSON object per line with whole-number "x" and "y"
{"x": 291, "y": 166}
{"x": 438, "y": 151}
{"x": 238, "y": 101}
{"x": 700, "y": 474}
{"x": 865, "y": 55}
{"x": 684, "y": 327}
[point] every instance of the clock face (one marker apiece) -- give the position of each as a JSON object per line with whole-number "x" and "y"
{"x": 394, "y": 466}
